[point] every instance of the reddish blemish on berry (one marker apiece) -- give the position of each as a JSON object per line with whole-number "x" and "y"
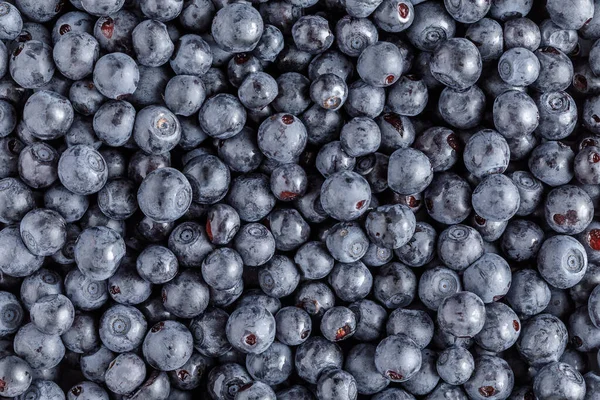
{"x": 24, "y": 37}
{"x": 596, "y": 118}
{"x": 108, "y": 28}
{"x": 241, "y": 58}
{"x": 496, "y": 298}
{"x": 588, "y": 21}
{"x": 18, "y": 51}
{"x": 594, "y": 239}
{"x": 389, "y": 79}
{"x": 287, "y": 119}
{"x": 115, "y": 290}
{"x": 480, "y": 220}
{"x": 209, "y": 230}
{"x": 580, "y": 82}
{"x": 183, "y": 375}
{"x": 587, "y": 142}
{"x": 76, "y": 390}
{"x": 394, "y": 120}
{"x": 59, "y": 6}
{"x": 163, "y": 296}
{"x": 342, "y": 332}
{"x": 576, "y": 341}
{"x": 90, "y": 85}
{"x": 288, "y": 195}
{"x": 516, "y": 325}
{"x": 569, "y": 218}
{"x": 246, "y": 386}
{"x": 595, "y": 157}
{"x": 250, "y": 339}
{"x": 413, "y": 202}
{"x": 64, "y": 28}
{"x": 393, "y": 375}
{"x": 429, "y": 205}
{"x": 304, "y": 334}
{"x": 453, "y": 141}
{"x": 157, "y": 327}
{"x": 487, "y": 391}
{"x": 403, "y": 10}
{"x": 360, "y": 204}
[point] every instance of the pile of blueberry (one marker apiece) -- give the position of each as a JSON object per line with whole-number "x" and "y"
{"x": 299, "y": 199}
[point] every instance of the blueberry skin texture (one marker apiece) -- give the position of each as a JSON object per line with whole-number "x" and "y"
{"x": 315, "y": 356}
{"x": 358, "y": 93}
{"x": 53, "y": 314}
{"x": 347, "y": 242}
{"x": 562, "y": 261}
{"x": 370, "y": 319}
{"x": 85, "y": 293}
{"x": 353, "y": 204}
{"x": 255, "y": 244}
{"x": 552, "y": 163}
{"x": 468, "y": 12}
{"x": 360, "y": 362}
{"x": 386, "y": 70}
{"x": 151, "y": 43}
{"x": 332, "y": 158}
{"x": 489, "y": 277}
{"x": 585, "y": 167}
{"x": 447, "y": 198}
{"x": 459, "y": 246}
{"x": 529, "y": 293}
{"x": 98, "y": 252}
{"x": 43, "y": 231}
{"x": 8, "y": 112}
{"x": 455, "y": 365}
{"x": 222, "y": 116}
{"x": 436, "y": 284}
{"x": 568, "y": 209}
{"x": 575, "y": 17}
{"x": 293, "y": 326}
{"x": 515, "y": 114}
{"x": 394, "y": 15}
{"x": 558, "y": 115}
{"x": 165, "y": 195}
{"x": 48, "y": 115}
{"x": 116, "y": 75}
{"x": 594, "y": 307}
{"x": 40, "y": 350}
{"x": 462, "y": 109}
{"x": 398, "y": 358}
{"x": 270, "y": 44}
{"x": 409, "y": 171}
{"x": 395, "y": 285}
{"x": 167, "y": 346}
{"x": 338, "y": 323}
{"x": 311, "y": 34}
{"x": 294, "y": 93}
{"x": 440, "y": 144}
{"x": 31, "y": 65}
{"x": 335, "y": 384}
{"x": 590, "y": 111}
{"x": 125, "y": 373}
{"x": 522, "y": 240}
{"x": 122, "y": 328}
{"x": 16, "y": 200}
{"x": 17, "y": 375}
{"x": 10, "y": 20}
{"x": 187, "y": 295}
{"x": 250, "y": 196}
{"x": 37, "y": 165}
{"x": 75, "y": 55}
{"x": 415, "y": 324}
{"x": 313, "y": 260}
{"x": 408, "y": 96}
{"x": 501, "y": 329}
{"x": 462, "y": 314}
{"x": 496, "y": 198}
{"x": 156, "y": 130}
{"x": 114, "y": 121}
{"x": 488, "y": 37}
{"x": 456, "y": 63}
{"x": 519, "y": 67}
{"x": 354, "y": 34}
{"x": 209, "y": 178}
{"x": 19, "y": 261}
{"x": 377, "y": 256}
{"x": 391, "y": 226}
{"x": 543, "y": 339}
{"x": 82, "y": 170}
{"x": 192, "y": 56}
{"x": 351, "y": 281}
{"x": 556, "y": 70}
{"x": 493, "y": 379}
{"x": 46, "y": 389}
{"x": 282, "y": 137}
{"x": 559, "y": 379}
{"x": 87, "y": 390}
{"x": 12, "y": 314}
{"x": 431, "y": 26}
{"x": 237, "y": 28}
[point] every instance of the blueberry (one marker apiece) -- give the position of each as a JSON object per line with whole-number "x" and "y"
{"x": 84, "y": 293}
{"x": 455, "y": 365}
{"x": 40, "y": 350}
{"x": 558, "y": 115}
{"x": 237, "y": 28}
{"x": 496, "y": 198}
{"x": 350, "y": 281}
{"x": 462, "y": 109}
{"x": 75, "y": 55}
{"x": 560, "y": 379}
{"x": 431, "y": 26}
{"x": 315, "y": 356}
{"x": 360, "y": 363}
{"x": 116, "y": 75}
{"x": 493, "y": 378}
{"x": 380, "y": 64}
{"x": 16, "y": 375}
{"x": 529, "y": 293}
{"x": 347, "y": 242}
{"x": 562, "y": 261}
{"x": 293, "y": 326}
{"x": 461, "y": 314}
{"x": 556, "y": 70}
{"x": 489, "y": 277}
{"x": 19, "y": 261}
{"x": 353, "y": 204}
{"x": 315, "y": 298}
{"x": 12, "y": 22}
{"x": 515, "y": 114}
{"x": 446, "y": 186}
{"x": 48, "y": 115}
{"x": 488, "y": 37}
{"x": 168, "y": 345}
{"x": 521, "y": 240}
{"x": 364, "y": 99}
{"x": 31, "y": 64}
